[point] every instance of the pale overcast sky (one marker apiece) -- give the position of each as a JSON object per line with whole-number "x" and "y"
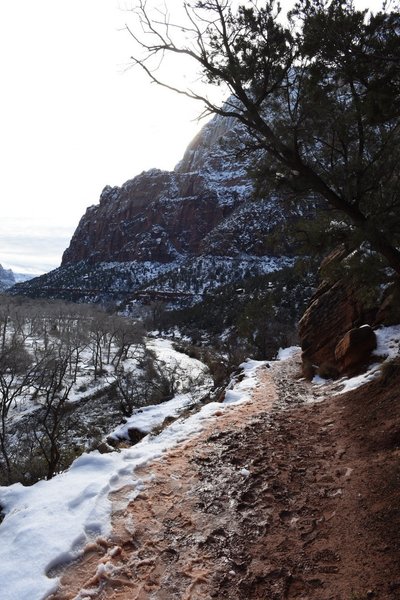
{"x": 74, "y": 118}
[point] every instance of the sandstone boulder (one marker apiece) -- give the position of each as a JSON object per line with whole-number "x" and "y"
{"x": 334, "y": 310}
{"x": 341, "y": 305}
{"x": 353, "y": 351}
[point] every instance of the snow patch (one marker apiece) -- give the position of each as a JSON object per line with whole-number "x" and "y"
{"x": 286, "y": 353}
{"x": 356, "y": 382}
{"x": 388, "y": 347}
{"x": 149, "y": 417}
{"x": 49, "y": 523}
{"x": 241, "y": 392}
{"x": 388, "y": 341}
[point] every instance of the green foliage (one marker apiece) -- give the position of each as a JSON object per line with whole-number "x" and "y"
{"x": 261, "y": 313}
{"x": 251, "y": 54}
{"x": 320, "y": 97}
{"x": 390, "y": 307}
{"x": 363, "y": 270}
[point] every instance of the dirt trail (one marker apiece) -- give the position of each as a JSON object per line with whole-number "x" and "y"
{"x": 278, "y": 498}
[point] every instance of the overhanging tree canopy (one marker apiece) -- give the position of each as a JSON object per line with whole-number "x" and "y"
{"x": 319, "y": 93}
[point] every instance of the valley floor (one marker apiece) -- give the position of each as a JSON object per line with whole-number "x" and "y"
{"x": 295, "y": 494}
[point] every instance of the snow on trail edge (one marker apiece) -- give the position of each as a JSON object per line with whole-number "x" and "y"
{"x": 388, "y": 347}
{"x": 48, "y": 524}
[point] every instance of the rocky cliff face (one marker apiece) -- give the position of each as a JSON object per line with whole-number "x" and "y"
{"x": 7, "y": 278}
{"x": 336, "y": 330}
{"x": 200, "y": 208}
{"x": 157, "y": 216}
{"x": 176, "y": 236}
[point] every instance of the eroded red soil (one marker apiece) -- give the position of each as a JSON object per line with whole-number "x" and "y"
{"x": 277, "y": 499}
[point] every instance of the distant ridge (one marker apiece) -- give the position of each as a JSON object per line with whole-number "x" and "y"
{"x": 176, "y": 234}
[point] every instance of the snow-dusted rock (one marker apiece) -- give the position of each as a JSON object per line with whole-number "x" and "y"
{"x": 176, "y": 234}
{"x": 7, "y": 278}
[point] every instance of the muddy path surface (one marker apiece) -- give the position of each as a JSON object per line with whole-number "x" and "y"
{"x": 282, "y": 497}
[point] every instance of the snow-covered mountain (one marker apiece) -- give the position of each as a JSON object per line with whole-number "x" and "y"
{"x": 176, "y": 233}
{"x": 7, "y": 278}
{"x": 199, "y": 208}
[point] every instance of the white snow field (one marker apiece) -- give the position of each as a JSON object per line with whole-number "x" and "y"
{"x": 49, "y": 523}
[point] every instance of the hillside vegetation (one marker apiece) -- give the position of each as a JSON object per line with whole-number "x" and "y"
{"x": 68, "y": 375}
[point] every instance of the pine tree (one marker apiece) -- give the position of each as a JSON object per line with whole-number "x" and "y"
{"x": 319, "y": 96}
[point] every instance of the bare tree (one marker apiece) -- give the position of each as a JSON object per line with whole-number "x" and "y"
{"x": 155, "y": 382}
{"x": 16, "y": 376}
{"x": 5, "y": 310}
{"x": 129, "y": 336}
{"x": 53, "y": 390}
{"x": 320, "y": 97}
{"x": 41, "y": 356}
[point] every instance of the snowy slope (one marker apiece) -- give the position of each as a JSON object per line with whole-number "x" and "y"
{"x": 48, "y": 523}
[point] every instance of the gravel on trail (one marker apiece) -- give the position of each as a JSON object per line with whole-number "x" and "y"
{"x": 293, "y": 495}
